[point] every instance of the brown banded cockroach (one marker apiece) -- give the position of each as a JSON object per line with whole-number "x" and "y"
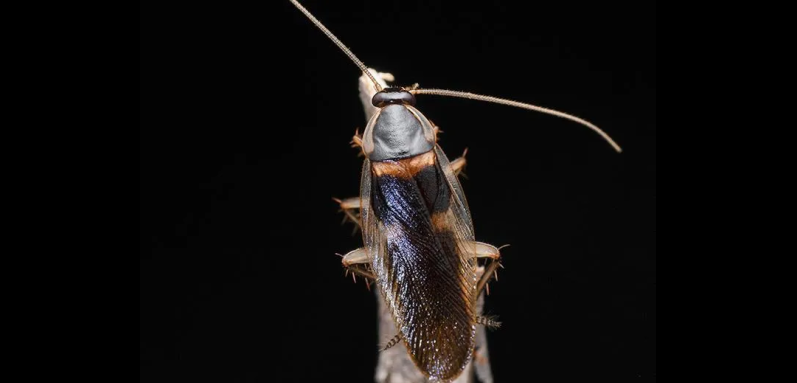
{"x": 419, "y": 243}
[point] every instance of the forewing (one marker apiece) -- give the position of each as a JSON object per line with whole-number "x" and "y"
{"x": 459, "y": 206}
{"x": 419, "y": 254}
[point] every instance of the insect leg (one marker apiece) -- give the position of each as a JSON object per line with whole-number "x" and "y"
{"x": 357, "y": 262}
{"x": 357, "y": 142}
{"x": 483, "y": 250}
{"x": 489, "y": 272}
{"x": 396, "y": 339}
{"x": 488, "y": 322}
{"x": 355, "y": 257}
{"x": 350, "y": 207}
{"x": 458, "y": 164}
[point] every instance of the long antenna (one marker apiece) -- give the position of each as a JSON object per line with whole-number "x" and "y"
{"x": 478, "y": 97}
{"x": 339, "y": 44}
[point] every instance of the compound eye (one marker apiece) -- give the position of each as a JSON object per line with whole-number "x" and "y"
{"x": 393, "y": 96}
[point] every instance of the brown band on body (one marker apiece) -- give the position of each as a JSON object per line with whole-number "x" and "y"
{"x": 404, "y": 168}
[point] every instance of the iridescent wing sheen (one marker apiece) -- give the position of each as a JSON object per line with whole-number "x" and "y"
{"x": 416, "y": 229}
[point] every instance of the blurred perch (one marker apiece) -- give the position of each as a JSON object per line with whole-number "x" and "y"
{"x": 395, "y": 365}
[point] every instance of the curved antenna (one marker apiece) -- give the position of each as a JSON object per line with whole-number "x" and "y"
{"x": 339, "y": 44}
{"x": 478, "y": 97}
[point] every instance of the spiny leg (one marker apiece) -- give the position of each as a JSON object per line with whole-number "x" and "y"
{"x": 350, "y": 207}
{"x": 481, "y": 355}
{"x": 459, "y": 164}
{"x": 356, "y": 262}
{"x": 483, "y": 250}
{"x": 356, "y": 257}
{"x": 357, "y": 142}
{"x": 489, "y": 272}
{"x": 489, "y": 322}
{"x": 396, "y": 339}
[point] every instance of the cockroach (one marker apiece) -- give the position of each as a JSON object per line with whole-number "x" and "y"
{"x": 419, "y": 243}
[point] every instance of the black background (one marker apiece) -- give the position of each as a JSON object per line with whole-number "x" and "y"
{"x": 246, "y": 113}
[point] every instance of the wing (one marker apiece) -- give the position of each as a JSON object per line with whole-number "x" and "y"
{"x": 373, "y": 234}
{"x": 459, "y": 204}
{"x": 416, "y": 227}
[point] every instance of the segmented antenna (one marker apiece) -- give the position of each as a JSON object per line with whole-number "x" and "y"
{"x": 339, "y": 44}
{"x": 478, "y": 97}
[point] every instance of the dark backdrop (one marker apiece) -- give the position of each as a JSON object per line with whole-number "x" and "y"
{"x": 246, "y": 113}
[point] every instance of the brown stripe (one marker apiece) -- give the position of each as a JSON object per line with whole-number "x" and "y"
{"x": 405, "y": 168}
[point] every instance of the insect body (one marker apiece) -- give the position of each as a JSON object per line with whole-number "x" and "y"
{"x": 419, "y": 244}
{"x": 418, "y": 235}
